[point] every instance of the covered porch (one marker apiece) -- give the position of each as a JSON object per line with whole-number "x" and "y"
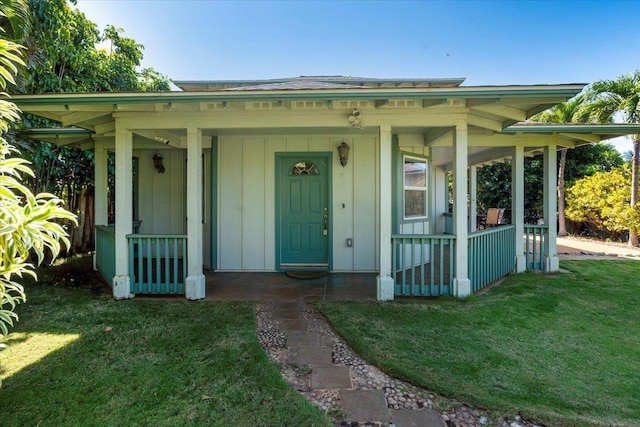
{"x": 401, "y": 206}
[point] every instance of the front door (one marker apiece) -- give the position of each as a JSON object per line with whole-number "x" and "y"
{"x": 302, "y": 214}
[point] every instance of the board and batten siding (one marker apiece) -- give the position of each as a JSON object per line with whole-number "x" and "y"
{"x": 247, "y": 196}
{"x": 161, "y": 196}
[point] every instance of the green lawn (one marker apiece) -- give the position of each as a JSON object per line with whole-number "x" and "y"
{"x": 163, "y": 363}
{"x": 562, "y": 349}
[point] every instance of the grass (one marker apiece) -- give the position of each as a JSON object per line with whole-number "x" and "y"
{"x": 561, "y": 349}
{"x": 78, "y": 358}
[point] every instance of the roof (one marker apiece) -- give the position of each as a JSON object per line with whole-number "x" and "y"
{"x": 296, "y": 85}
{"x": 548, "y": 127}
{"x": 535, "y": 93}
{"x": 317, "y": 82}
{"x": 488, "y": 107}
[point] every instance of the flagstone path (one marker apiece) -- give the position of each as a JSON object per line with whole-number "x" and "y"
{"x": 318, "y": 364}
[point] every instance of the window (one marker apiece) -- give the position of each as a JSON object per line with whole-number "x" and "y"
{"x": 415, "y": 188}
{"x": 304, "y": 168}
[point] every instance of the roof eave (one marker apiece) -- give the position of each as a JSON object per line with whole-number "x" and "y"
{"x": 552, "y": 91}
{"x": 613, "y": 129}
{"x": 456, "y": 81}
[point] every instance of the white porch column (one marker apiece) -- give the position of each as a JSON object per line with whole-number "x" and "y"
{"x": 473, "y": 198}
{"x": 100, "y": 188}
{"x": 517, "y": 205}
{"x": 461, "y": 282}
{"x": 551, "y": 262}
{"x": 194, "y": 282}
{"x": 385, "y": 289}
{"x": 124, "y": 211}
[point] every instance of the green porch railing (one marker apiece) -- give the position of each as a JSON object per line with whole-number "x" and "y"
{"x": 157, "y": 263}
{"x": 422, "y": 265}
{"x": 106, "y": 252}
{"x": 491, "y": 255}
{"x": 535, "y": 236}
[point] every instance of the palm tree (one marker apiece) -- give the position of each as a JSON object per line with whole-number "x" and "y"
{"x": 562, "y": 113}
{"x": 608, "y": 98}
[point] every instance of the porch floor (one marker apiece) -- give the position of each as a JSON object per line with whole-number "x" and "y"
{"x": 243, "y": 286}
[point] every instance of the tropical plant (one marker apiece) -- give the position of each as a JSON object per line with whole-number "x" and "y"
{"x": 14, "y": 18}
{"x": 26, "y": 226}
{"x": 605, "y": 100}
{"x": 602, "y": 201}
{"x": 27, "y": 222}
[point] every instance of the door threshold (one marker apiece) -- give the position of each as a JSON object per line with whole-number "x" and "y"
{"x": 304, "y": 267}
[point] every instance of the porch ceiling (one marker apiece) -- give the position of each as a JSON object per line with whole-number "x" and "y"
{"x": 487, "y": 147}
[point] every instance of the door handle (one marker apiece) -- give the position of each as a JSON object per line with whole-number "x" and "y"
{"x": 325, "y": 217}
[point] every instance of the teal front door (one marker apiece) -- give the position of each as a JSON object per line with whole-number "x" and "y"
{"x": 303, "y": 222}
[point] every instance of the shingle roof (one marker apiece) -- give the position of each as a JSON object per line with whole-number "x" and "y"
{"x": 315, "y": 82}
{"x": 297, "y": 85}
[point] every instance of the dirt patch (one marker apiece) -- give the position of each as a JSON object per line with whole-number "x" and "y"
{"x": 75, "y": 272}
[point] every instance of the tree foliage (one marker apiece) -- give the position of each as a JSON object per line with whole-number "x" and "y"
{"x": 494, "y": 181}
{"x": 494, "y": 188}
{"x": 608, "y": 98}
{"x": 64, "y": 55}
{"x": 602, "y": 201}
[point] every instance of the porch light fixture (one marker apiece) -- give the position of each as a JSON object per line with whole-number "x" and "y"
{"x": 157, "y": 163}
{"x": 343, "y": 152}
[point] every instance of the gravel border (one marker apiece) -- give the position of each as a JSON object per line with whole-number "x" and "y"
{"x": 399, "y": 394}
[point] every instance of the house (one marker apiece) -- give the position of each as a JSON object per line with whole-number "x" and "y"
{"x": 329, "y": 173}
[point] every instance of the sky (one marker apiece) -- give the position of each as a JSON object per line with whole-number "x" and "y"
{"x": 487, "y": 42}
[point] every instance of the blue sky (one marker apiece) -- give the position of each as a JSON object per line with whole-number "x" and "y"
{"x": 488, "y": 42}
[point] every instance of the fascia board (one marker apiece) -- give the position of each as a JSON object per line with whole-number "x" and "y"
{"x": 597, "y": 129}
{"x": 565, "y": 91}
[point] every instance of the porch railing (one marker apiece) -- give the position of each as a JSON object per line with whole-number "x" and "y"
{"x": 422, "y": 265}
{"x": 157, "y": 263}
{"x": 106, "y": 252}
{"x": 534, "y": 245}
{"x": 491, "y": 255}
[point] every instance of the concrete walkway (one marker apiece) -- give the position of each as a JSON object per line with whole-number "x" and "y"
{"x": 569, "y": 247}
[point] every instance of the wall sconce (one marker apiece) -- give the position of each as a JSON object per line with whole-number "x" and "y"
{"x": 157, "y": 163}
{"x": 343, "y": 152}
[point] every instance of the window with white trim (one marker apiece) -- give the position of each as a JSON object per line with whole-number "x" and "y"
{"x": 415, "y": 187}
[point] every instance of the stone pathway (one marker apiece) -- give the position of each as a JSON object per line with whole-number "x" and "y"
{"x": 318, "y": 364}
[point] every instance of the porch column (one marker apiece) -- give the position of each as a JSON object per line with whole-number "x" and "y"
{"x": 551, "y": 262}
{"x": 124, "y": 209}
{"x": 473, "y": 198}
{"x": 385, "y": 284}
{"x": 100, "y": 188}
{"x": 194, "y": 282}
{"x": 461, "y": 282}
{"x": 517, "y": 205}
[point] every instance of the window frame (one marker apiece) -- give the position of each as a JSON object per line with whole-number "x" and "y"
{"x": 405, "y": 187}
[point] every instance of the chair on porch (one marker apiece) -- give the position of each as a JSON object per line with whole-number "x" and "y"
{"x": 494, "y": 217}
